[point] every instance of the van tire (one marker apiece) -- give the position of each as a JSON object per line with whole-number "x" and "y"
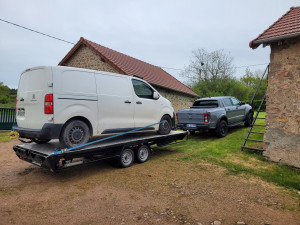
{"x": 165, "y": 127}
{"x": 74, "y": 133}
{"x": 39, "y": 141}
{"x": 222, "y": 129}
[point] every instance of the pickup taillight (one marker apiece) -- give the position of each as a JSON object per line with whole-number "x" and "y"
{"x": 49, "y": 104}
{"x": 206, "y": 117}
{"x": 176, "y": 117}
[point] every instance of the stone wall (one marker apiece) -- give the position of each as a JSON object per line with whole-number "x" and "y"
{"x": 179, "y": 100}
{"x": 86, "y": 58}
{"x": 282, "y": 136}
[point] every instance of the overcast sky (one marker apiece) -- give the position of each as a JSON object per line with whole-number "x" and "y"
{"x": 163, "y": 33}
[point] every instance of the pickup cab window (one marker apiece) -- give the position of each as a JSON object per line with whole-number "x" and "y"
{"x": 227, "y": 102}
{"x": 235, "y": 101}
{"x": 206, "y": 103}
{"x": 141, "y": 89}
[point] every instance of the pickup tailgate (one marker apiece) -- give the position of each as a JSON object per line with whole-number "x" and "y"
{"x": 191, "y": 116}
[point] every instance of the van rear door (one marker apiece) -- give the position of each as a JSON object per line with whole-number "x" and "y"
{"x": 34, "y": 84}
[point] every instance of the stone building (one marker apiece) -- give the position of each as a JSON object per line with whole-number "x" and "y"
{"x": 282, "y": 135}
{"x": 89, "y": 55}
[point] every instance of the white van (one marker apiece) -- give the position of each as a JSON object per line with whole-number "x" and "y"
{"x": 75, "y": 104}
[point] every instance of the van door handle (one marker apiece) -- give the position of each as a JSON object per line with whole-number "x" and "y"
{"x": 22, "y": 99}
{"x": 138, "y": 102}
{"x": 127, "y": 102}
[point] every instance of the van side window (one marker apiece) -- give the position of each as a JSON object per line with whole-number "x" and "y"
{"x": 227, "y": 102}
{"x": 142, "y": 90}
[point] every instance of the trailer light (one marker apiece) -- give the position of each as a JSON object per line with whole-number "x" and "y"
{"x": 49, "y": 104}
{"x": 206, "y": 117}
{"x": 37, "y": 136}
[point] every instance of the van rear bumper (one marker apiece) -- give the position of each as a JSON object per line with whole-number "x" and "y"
{"x": 48, "y": 131}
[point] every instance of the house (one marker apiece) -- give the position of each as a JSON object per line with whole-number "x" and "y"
{"x": 282, "y": 135}
{"x": 89, "y": 55}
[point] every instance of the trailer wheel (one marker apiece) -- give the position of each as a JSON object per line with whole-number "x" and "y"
{"x": 166, "y": 126}
{"x": 126, "y": 158}
{"x": 74, "y": 133}
{"x": 142, "y": 154}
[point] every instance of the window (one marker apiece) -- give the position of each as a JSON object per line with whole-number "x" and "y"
{"x": 206, "y": 103}
{"x": 141, "y": 89}
{"x": 227, "y": 102}
{"x": 235, "y": 101}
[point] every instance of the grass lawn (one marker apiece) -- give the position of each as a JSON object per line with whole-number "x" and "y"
{"x": 226, "y": 152}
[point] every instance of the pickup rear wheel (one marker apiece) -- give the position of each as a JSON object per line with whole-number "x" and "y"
{"x": 74, "y": 133}
{"x": 222, "y": 129}
{"x": 166, "y": 126}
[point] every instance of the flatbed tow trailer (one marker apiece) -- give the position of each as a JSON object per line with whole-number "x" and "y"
{"x": 124, "y": 148}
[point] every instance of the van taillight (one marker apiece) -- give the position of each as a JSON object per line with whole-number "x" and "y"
{"x": 206, "y": 117}
{"x": 49, "y": 104}
{"x": 176, "y": 117}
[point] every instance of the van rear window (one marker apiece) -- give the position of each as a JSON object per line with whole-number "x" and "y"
{"x": 206, "y": 103}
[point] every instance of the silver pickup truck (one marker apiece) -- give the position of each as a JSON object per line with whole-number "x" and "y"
{"x": 215, "y": 113}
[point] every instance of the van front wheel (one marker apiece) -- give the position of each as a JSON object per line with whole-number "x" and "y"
{"x": 165, "y": 126}
{"x": 74, "y": 133}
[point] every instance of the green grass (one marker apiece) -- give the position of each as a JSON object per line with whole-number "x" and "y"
{"x": 225, "y": 152}
{"x": 4, "y": 136}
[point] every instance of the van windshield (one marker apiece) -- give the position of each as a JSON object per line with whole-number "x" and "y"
{"x": 206, "y": 103}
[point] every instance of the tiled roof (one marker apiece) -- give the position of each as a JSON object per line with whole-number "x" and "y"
{"x": 128, "y": 65}
{"x": 285, "y": 27}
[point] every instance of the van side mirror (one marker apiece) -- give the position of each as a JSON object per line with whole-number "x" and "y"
{"x": 242, "y": 103}
{"x": 155, "y": 95}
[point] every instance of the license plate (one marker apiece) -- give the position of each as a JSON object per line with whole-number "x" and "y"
{"x": 21, "y": 113}
{"x": 191, "y": 125}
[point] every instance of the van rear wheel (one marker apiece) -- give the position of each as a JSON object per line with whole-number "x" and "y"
{"x": 166, "y": 126}
{"x": 74, "y": 133}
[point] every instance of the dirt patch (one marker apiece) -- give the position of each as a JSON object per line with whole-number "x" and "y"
{"x": 164, "y": 190}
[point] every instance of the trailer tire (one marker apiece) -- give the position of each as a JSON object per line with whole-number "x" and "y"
{"x": 74, "y": 133}
{"x": 142, "y": 154}
{"x": 126, "y": 158}
{"x": 40, "y": 141}
{"x": 166, "y": 126}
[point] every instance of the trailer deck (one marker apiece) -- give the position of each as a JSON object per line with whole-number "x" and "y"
{"x": 125, "y": 148}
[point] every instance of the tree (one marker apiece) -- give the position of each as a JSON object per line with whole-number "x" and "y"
{"x": 209, "y": 66}
{"x": 252, "y": 79}
{"x": 211, "y": 74}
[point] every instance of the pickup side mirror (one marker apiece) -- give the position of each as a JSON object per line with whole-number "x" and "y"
{"x": 242, "y": 103}
{"x": 155, "y": 95}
